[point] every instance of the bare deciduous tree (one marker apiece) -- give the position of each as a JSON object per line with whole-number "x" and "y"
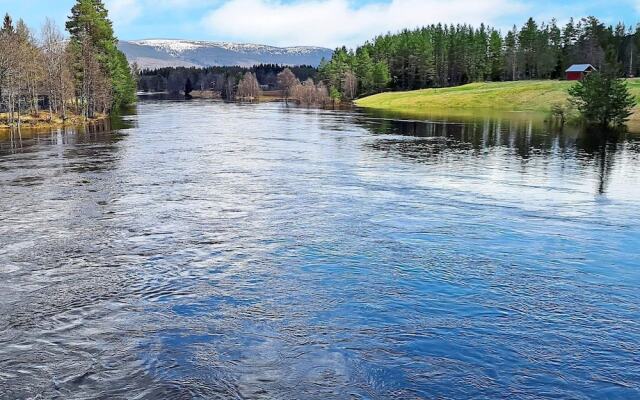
{"x": 248, "y": 88}
{"x": 229, "y": 88}
{"x": 286, "y": 82}
{"x": 308, "y": 93}
{"x": 35, "y": 72}
{"x": 8, "y": 67}
{"x": 57, "y": 83}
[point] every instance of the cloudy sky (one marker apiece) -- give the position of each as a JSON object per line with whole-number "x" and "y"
{"x": 314, "y": 22}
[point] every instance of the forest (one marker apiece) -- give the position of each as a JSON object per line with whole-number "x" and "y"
{"x": 60, "y": 77}
{"x": 430, "y": 57}
{"x": 224, "y": 80}
{"x": 451, "y": 55}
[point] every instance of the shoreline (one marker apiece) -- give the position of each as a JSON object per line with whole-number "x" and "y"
{"x": 43, "y": 121}
{"x": 483, "y": 98}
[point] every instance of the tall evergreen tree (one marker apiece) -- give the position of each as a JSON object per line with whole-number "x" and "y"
{"x": 495, "y": 56}
{"x": 7, "y": 24}
{"x": 92, "y": 32}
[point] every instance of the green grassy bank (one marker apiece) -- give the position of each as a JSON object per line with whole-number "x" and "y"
{"x": 535, "y": 96}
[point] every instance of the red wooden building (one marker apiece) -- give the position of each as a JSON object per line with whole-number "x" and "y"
{"x": 577, "y": 72}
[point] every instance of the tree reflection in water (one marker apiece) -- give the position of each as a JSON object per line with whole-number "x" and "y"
{"x": 524, "y": 139}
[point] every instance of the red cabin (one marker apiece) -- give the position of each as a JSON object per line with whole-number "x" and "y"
{"x": 577, "y": 72}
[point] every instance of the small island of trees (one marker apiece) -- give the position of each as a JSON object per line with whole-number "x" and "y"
{"x": 52, "y": 80}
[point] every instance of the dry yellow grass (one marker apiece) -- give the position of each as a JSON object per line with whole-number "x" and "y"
{"x": 43, "y": 120}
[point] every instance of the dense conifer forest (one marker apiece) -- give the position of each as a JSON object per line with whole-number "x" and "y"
{"x": 450, "y": 55}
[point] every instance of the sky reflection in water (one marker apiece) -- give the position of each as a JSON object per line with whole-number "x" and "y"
{"x": 211, "y": 250}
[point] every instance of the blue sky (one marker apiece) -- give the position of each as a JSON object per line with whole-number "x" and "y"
{"x": 314, "y": 22}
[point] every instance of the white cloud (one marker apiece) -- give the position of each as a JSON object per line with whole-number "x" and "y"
{"x": 126, "y": 12}
{"x": 123, "y": 12}
{"x": 335, "y": 22}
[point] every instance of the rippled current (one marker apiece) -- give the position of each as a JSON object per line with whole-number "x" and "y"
{"x": 210, "y": 250}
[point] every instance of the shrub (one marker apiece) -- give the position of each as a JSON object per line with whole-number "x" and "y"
{"x": 603, "y": 99}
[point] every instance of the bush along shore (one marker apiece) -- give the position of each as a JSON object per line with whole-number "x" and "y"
{"x": 52, "y": 80}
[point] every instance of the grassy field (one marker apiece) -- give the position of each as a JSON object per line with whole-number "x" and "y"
{"x": 536, "y": 96}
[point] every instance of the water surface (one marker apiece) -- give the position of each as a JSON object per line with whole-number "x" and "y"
{"x": 209, "y": 250}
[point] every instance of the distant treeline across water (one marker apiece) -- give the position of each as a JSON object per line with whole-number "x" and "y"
{"x": 174, "y": 80}
{"x": 438, "y": 56}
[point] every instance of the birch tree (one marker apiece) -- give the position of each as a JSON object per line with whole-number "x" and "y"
{"x": 248, "y": 88}
{"x": 58, "y": 78}
{"x": 286, "y": 81}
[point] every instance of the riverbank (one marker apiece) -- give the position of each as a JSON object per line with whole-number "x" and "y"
{"x": 266, "y": 95}
{"x": 535, "y": 96}
{"x": 43, "y": 120}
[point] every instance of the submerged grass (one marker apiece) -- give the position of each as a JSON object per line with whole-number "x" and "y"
{"x": 43, "y": 120}
{"x": 537, "y": 96}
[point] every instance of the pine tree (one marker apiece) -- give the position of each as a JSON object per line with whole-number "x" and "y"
{"x": 495, "y": 56}
{"x": 381, "y": 77}
{"x": 511, "y": 54}
{"x": 603, "y": 98}
{"x": 364, "y": 70}
{"x": 555, "y": 59}
{"x": 448, "y": 55}
{"x": 92, "y": 32}
{"x": 528, "y": 46}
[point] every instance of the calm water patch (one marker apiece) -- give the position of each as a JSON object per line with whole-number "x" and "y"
{"x": 212, "y": 250}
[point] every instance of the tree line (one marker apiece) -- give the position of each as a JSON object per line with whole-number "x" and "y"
{"x": 300, "y": 84}
{"x": 306, "y": 92}
{"x": 83, "y": 75}
{"x": 449, "y": 55}
{"x": 220, "y": 79}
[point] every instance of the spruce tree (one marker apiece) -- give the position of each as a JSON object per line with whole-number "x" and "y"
{"x": 7, "y": 24}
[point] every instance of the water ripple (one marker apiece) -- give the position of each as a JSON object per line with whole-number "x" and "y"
{"x": 211, "y": 250}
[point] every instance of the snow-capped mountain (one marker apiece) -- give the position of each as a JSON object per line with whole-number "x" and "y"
{"x": 158, "y": 53}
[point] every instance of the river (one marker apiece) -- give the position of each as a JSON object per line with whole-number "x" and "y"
{"x": 209, "y": 250}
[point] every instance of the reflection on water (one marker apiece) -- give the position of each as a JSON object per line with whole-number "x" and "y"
{"x": 16, "y": 140}
{"x": 212, "y": 250}
{"x": 523, "y": 139}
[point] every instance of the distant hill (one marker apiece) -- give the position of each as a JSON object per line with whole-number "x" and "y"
{"x": 158, "y": 53}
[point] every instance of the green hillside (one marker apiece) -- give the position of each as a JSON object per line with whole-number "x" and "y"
{"x": 494, "y": 96}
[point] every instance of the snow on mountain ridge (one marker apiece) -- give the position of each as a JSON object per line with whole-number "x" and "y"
{"x": 170, "y": 46}
{"x": 176, "y": 46}
{"x": 158, "y": 53}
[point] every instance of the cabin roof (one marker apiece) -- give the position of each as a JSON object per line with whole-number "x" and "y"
{"x": 580, "y": 68}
